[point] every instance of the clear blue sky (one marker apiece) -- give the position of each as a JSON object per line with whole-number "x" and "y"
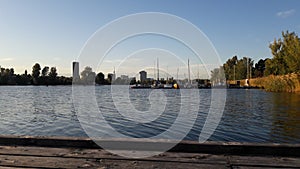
{"x": 53, "y": 32}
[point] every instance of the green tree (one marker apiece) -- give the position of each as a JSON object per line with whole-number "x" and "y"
{"x": 7, "y": 76}
{"x": 259, "y": 68}
{"x": 244, "y": 68}
{"x": 45, "y": 71}
{"x": 291, "y": 51}
{"x": 286, "y": 55}
{"x": 235, "y": 69}
{"x": 276, "y": 66}
{"x": 11, "y": 77}
{"x": 11, "y": 71}
{"x": 218, "y": 76}
{"x": 132, "y": 81}
{"x": 36, "y": 72}
{"x": 229, "y": 68}
{"x": 4, "y": 76}
{"x": 24, "y": 79}
{"x": 100, "y": 78}
{"x": 88, "y": 76}
{"x": 7, "y": 72}
{"x": 53, "y": 73}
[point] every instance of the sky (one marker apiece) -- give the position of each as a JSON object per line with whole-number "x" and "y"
{"x": 54, "y": 32}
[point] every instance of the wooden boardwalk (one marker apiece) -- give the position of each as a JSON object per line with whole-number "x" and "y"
{"x": 57, "y": 152}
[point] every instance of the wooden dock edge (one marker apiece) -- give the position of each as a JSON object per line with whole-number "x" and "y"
{"x": 210, "y": 147}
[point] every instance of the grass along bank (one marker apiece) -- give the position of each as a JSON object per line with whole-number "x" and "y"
{"x": 283, "y": 83}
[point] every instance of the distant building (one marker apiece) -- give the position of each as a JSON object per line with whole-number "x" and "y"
{"x": 114, "y": 75}
{"x": 150, "y": 79}
{"x": 143, "y": 76}
{"x": 124, "y": 77}
{"x": 75, "y": 73}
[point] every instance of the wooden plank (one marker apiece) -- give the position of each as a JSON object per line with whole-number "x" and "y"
{"x": 43, "y": 162}
{"x": 230, "y": 148}
{"x": 57, "y": 162}
{"x": 35, "y": 151}
{"x": 99, "y": 153}
{"x": 273, "y": 162}
{"x": 235, "y": 148}
{"x": 166, "y": 165}
{"x": 53, "y": 152}
{"x": 165, "y": 157}
{"x": 79, "y": 157}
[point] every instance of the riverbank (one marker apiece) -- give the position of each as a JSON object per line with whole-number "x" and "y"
{"x": 284, "y": 83}
{"x": 74, "y": 152}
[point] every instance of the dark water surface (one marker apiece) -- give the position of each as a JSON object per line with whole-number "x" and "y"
{"x": 249, "y": 115}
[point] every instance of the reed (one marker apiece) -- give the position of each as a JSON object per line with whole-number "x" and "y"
{"x": 283, "y": 83}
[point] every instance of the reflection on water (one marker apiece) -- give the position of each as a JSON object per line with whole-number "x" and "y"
{"x": 259, "y": 116}
{"x": 286, "y": 117}
{"x": 249, "y": 115}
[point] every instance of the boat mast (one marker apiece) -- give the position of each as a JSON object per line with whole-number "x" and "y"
{"x": 167, "y": 73}
{"x": 157, "y": 70}
{"x": 154, "y": 75}
{"x": 198, "y": 73}
{"x": 114, "y": 74}
{"x": 247, "y": 68}
{"x": 189, "y": 80}
{"x": 177, "y": 74}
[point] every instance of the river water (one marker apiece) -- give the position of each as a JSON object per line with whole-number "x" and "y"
{"x": 248, "y": 116}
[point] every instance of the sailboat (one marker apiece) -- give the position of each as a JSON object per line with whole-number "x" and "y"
{"x": 189, "y": 84}
{"x": 157, "y": 84}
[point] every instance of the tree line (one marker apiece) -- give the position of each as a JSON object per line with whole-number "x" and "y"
{"x": 49, "y": 76}
{"x": 38, "y": 76}
{"x": 285, "y": 60}
{"x": 89, "y": 77}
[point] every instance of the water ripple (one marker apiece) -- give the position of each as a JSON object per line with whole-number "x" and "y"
{"x": 249, "y": 115}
